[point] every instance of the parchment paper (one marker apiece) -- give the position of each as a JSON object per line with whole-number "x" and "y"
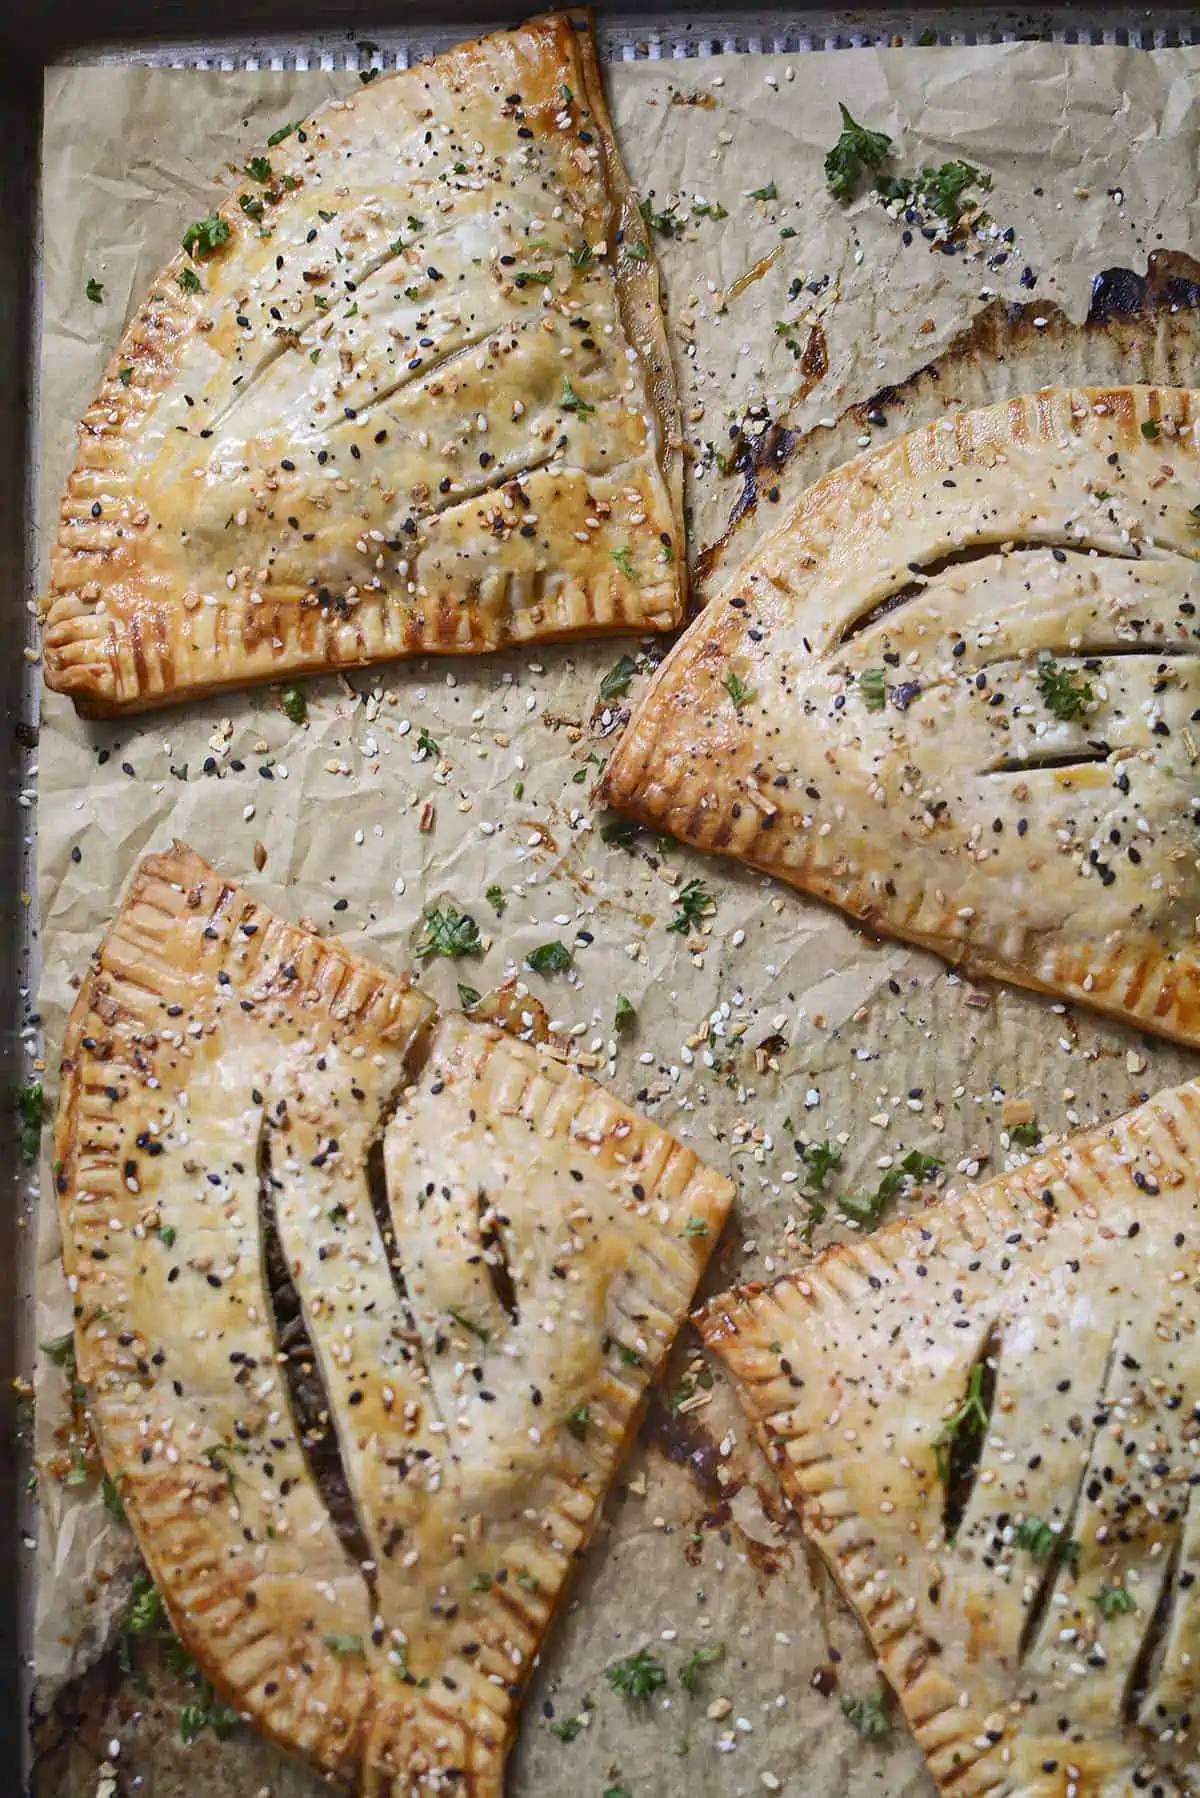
{"x": 1093, "y": 154}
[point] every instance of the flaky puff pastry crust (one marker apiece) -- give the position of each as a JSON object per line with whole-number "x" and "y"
{"x": 985, "y": 1417}
{"x": 365, "y": 1304}
{"x": 417, "y": 399}
{"x": 956, "y": 692}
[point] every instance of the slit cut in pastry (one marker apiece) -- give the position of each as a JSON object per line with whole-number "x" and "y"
{"x": 985, "y": 1417}
{"x": 365, "y": 1303}
{"x": 409, "y": 392}
{"x": 956, "y": 692}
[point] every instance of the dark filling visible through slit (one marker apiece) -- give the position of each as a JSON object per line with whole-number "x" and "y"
{"x": 1148, "y": 1661}
{"x": 962, "y": 558}
{"x": 1062, "y": 758}
{"x": 301, "y": 1374}
{"x": 495, "y": 1255}
{"x": 381, "y": 1206}
{"x": 965, "y": 1448}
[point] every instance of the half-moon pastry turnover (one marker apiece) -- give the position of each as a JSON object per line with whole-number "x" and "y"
{"x": 956, "y": 693}
{"x": 986, "y": 1419}
{"x": 365, "y": 1306}
{"x": 407, "y": 390}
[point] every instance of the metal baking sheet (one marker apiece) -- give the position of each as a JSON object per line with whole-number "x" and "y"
{"x": 184, "y": 35}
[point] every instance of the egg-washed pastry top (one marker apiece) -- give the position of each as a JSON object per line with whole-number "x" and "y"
{"x": 405, "y": 390}
{"x": 987, "y": 1418}
{"x": 365, "y": 1304}
{"x": 956, "y": 693}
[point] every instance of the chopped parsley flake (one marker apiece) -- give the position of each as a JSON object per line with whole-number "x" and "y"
{"x": 695, "y": 1226}
{"x": 111, "y": 1497}
{"x": 448, "y": 932}
{"x": 968, "y": 1420}
{"x": 870, "y": 685}
{"x": 94, "y": 290}
{"x": 1041, "y": 1540}
{"x": 294, "y": 704}
{"x": 621, "y": 557}
{"x": 769, "y": 192}
{"x": 495, "y": 898}
{"x": 61, "y": 1350}
{"x": 189, "y": 280}
{"x": 1112, "y": 1601}
{"x": 570, "y": 401}
{"x": 689, "y": 1673}
{"x": 259, "y": 169}
{"x": 692, "y": 901}
{"x": 204, "y": 236}
{"x": 639, "y": 251}
{"x": 566, "y": 1728}
{"x": 1028, "y": 1135}
{"x": 1064, "y": 692}
{"x": 427, "y": 747}
{"x": 617, "y": 680}
{"x": 866, "y": 1208}
{"x": 337, "y": 1643}
{"x": 638, "y": 1676}
{"x": 277, "y": 137}
{"x": 624, "y": 1012}
{"x": 577, "y": 1421}
{"x": 739, "y": 690}
{"x": 856, "y": 151}
{"x": 709, "y": 209}
{"x": 820, "y": 1160}
{"x": 667, "y": 223}
{"x": 1150, "y": 426}
{"x": 31, "y": 1108}
{"x": 166, "y": 1235}
{"x": 581, "y": 256}
{"x": 550, "y": 958}
{"x": 468, "y": 996}
{"x": 942, "y": 188}
{"x": 869, "y": 1715}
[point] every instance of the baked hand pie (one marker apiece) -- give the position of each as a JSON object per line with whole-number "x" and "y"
{"x": 406, "y": 390}
{"x": 955, "y": 692}
{"x": 365, "y": 1304}
{"x": 985, "y": 1417}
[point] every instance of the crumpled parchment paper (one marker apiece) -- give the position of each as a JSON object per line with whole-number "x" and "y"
{"x": 788, "y": 1021}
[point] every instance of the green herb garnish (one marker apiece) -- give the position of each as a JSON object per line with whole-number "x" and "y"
{"x": 550, "y": 958}
{"x": 577, "y": 1420}
{"x": 448, "y": 932}
{"x": 695, "y": 1226}
{"x": 869, "y": 1715}
{"x": 1028, "y": 1135}
{"x": 865, "y": 1208}
{"x": 970, "y": 1418}
{"x": 61, "y": 1350}
{"x": 689, "y": 1673}
{"x": 495, "y": 898}
{"x": 124, "y": 376}
{"x": 427, "y": 746}
{"x": 566, "y": 1728}
{"x": 769, "y": 192}
{"x": 277, "y": 137}
{"x": 1113, "y": 1601}
{"x": 942, "y": 187}
{"x": 820, "y": 1160}
{"x": 252, "y": 206}
{"x": 189, "y": 280}
{"x": 570, "y": 401}
{"x": 581, "y": 256}
{"x": 709, "y": 209}
{"x": 294, "y": 704}
{"x": 692, "y": 901}
{"x": 337, "y": 1643}
{"x": 667, "y": 223}
{"x": 1150, "y": 426}
{"x": 531, "y": 277}
{"x": 617, "y": 679}
{"x": 855, "y": 151}
{"x": 166, "y": 1235}
{"x": 31, "y": 1109}
{"x": 870, "y": 685}
{"x": 204, "y": 236}
{"x": 472, "y": 1329}
{"x": 1063, "y": 692}
{"x": 739, "y": 690}
{"x": 621, "y": 557}
{"x": 468, "y": 996}
{"x": 637, "y": 1676}
{"x": 259, "y": 169}
{"x": 94, "y": 290}
{"x": 1041, "y": 1540}
{"x": 111, "y": 1497}
{"x": 639, "y": 251}
{"x": 624, "y": 1012}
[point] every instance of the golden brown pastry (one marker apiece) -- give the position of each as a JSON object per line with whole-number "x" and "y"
{"x": 955, "y": 692}
{"x": 365, "y": 1306}
{"x": 986, "y": 1418}
{"x": 406, "y": 390}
